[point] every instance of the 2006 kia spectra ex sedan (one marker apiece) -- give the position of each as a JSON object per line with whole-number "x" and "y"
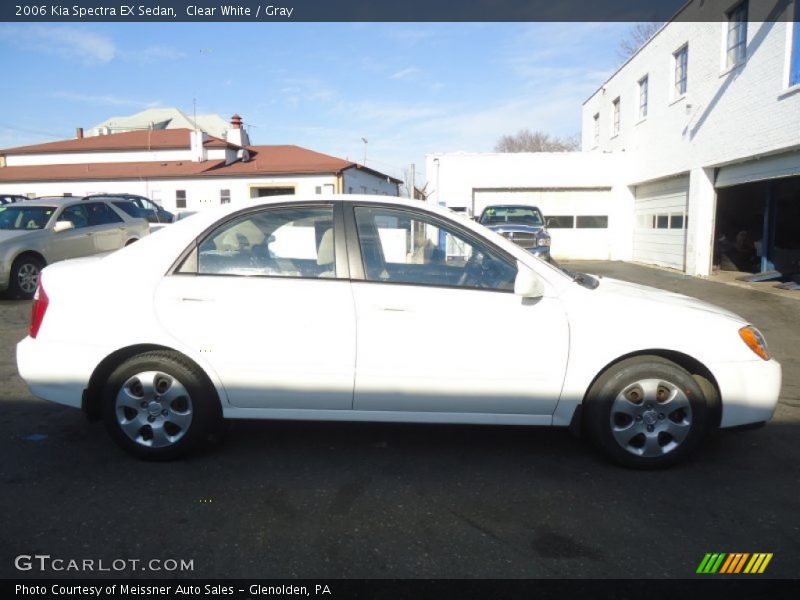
{"x": 366, "y": 308}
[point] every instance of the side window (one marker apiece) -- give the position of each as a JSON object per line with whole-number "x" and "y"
{"x": 280, "y": 242}
{"x": 75, "y": 214}
{"x": 402, "y": 246}
{"x": 101, "y": 213}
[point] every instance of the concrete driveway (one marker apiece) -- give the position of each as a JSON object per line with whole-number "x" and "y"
{"x": 382, "y": 501}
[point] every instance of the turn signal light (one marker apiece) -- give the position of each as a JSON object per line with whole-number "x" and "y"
{"x": 755, "y": 341}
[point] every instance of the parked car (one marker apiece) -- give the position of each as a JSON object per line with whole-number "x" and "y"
{"x": 523, "y": 225}
{"x": 9, "y": 198}
{"x": 144, "y": 207}
{"x": 180, "y": 215}
{"x": 38, "y": 232}
{"x": 308, "y": 308}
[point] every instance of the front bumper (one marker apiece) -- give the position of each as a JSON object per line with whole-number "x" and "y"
{"x": 749, "y": 391}
{"x": 57, "y": 372}
{"x": 542, "y": 252}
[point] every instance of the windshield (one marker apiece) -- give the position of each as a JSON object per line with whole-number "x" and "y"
{"x": 13, "y": 216}
{"x": 527, "y": 215}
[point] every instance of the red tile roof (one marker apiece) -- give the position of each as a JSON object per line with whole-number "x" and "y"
{"x": 103, "y": 171}
{"x": 156, "y": 139}
{"x": 264, "y": 161}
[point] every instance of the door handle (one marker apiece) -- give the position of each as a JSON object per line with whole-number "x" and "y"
{"x": 398, "y": 309}
{"x": 195, "y": 299}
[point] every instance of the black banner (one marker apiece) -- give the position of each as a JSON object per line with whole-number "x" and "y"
{"x": 752, "y": 588}
{"x": 339, "y": 10}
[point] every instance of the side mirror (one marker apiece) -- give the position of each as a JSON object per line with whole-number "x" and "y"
{"x": 63, "y": 226}
{"x": 527, "y": 283}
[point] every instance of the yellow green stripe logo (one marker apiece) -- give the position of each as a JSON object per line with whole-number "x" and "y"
{"x": 734, "y": 563}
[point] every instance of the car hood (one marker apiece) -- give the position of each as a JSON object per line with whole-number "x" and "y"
{"x": 651, "y": 294}
{"x": 501, "y": 227}
{"x": 10, "y": 234}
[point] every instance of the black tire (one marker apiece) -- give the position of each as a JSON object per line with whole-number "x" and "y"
{"x": 18, "y": 283}
{"x": 640, "y": 434}
{"x": 204, "y": 413}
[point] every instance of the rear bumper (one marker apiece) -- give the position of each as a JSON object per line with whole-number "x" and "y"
{"x": 56, "y": 372}
{"x": 749, "y": 391}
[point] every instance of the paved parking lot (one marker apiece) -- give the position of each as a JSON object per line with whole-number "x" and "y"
{"x": 362, "y": 500}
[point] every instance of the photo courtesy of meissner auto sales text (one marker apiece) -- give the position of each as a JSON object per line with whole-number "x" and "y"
{"x": 368, "y": 300}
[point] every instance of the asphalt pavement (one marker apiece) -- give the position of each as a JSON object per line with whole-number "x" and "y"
{"x": 330, "y": 500}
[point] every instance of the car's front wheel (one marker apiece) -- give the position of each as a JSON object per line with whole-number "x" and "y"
{"x": 159, "y": 406}
{"x": 24, "y": 276}
{"x": 646, "y": 412}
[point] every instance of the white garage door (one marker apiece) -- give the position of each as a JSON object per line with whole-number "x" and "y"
{"x": 580, "y": 217}
{"x": 660, "y": 227}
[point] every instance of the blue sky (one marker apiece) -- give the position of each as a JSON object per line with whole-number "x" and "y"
{"x": 409, "y": 88}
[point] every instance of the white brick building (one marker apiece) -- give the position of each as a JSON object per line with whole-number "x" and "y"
{"x": 703, "y": 124}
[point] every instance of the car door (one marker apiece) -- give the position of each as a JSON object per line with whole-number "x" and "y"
{"x": 440, "y": 329}
{"x": 265, "y": 299}
{"x": 107, "y": 228}
{"x": 75, "y": 242}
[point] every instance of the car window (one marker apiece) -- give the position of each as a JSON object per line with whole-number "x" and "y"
{"x": 76, "y": 214}
{"x": 282, "y": 242}
{"x": 401, "y": 246}
{"x": 14, "y": 216}
{"x": 101, "y": 213}
{"x": 130, "y": 208}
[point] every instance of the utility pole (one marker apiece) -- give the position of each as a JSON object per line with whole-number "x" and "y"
{"x": 411, "y": 184}
{"x": 365, "y": 150}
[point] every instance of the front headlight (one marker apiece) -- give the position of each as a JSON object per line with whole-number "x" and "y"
{"x": 755, "y": 341}
{"x": 543, "y": 241}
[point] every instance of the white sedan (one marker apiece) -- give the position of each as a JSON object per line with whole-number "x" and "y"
{"x": 367, "y": 308}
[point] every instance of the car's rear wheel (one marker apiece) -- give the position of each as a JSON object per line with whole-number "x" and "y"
{"x": 24, "y": 276}
{"x": 159, "y": 406}
{"x": 646, "y": 412}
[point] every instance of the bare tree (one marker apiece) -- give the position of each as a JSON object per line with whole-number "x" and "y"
{"x": 637, "y": 36}
{"x": 526, "y": 140}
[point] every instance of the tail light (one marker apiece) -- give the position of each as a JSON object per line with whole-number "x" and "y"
{"x": 40, "y": 302}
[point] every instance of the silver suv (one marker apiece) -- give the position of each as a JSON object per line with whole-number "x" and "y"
{"x": 35, "y": 233}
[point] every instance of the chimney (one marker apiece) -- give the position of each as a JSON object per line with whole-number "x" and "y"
{"x": 197, "y": 142}
{"x": 79, "y": 133}
{"x": 236, "y": 134}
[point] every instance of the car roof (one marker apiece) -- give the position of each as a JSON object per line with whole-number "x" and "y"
{"x": 512, "y": 206}
{"x": 52, "y": 200}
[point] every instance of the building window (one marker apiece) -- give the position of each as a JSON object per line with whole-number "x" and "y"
{"x": 615, "y": 123}
{"x": 561, "y": 222}
{"x": 644, "y": 84}
{"x": 737, "y": 34}
{"x": 180, "y": 198}
{"x": 676, "y": 221}
{"x": 597, "y": 129}
{"x": 662, "y": 221}
{"x": 681, "y": 70}
{"x": 224, "y": 196}
{"x": 591, "y": 222}
{"x": 794, "y": 65}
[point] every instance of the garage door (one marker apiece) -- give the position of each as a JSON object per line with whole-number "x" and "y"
{"x": 579, "y": 217}
{"x": 660, "y": 227}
